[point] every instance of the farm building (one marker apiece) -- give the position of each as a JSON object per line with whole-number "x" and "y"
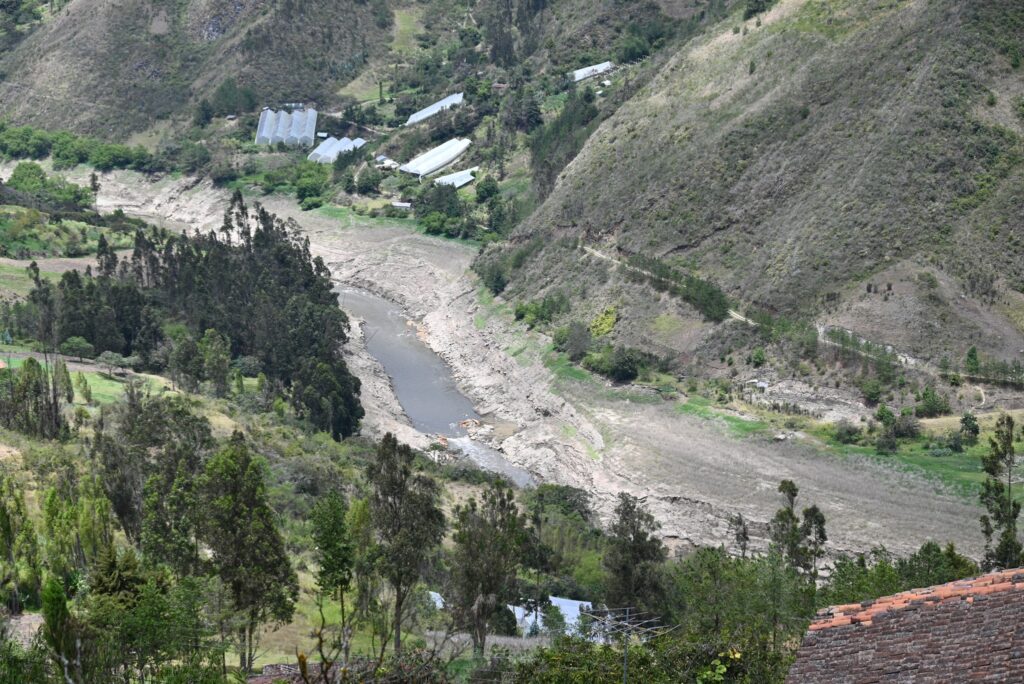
{"x": 437, "y": 158}
{"x": 295, "y": 128}
{"x": 969, "y": 630}
{"x": 590, "y": 71}
{"x": 458, "y": 179}
{"x": 332, "y": 148}
{"x": 439, "y": 106}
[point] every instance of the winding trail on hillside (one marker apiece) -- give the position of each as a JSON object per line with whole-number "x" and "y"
{"x": 604, "y": 439}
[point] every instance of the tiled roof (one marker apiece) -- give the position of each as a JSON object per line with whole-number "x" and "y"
{"x": 965, "y": 630}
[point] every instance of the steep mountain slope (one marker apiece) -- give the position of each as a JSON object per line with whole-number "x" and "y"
{"x": 110, "y": 67}
{"x": 793, "y": 156}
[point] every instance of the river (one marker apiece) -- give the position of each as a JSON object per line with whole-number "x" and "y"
{"x": 422, "y": 381}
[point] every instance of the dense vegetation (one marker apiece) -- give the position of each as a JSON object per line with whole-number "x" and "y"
{"x": 189, "y": 305}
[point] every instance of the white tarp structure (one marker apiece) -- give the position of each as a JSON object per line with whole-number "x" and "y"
{"x": 284, "y": 126}
{"x": 295, "y": 128}
{"x": 590, "y": 71}
{"x": 569, "y": 608}
{"x": 439, "y": 106}
{"x": 265, "y": 129}
{"x": 329, "y": 150}
{"x": 437, "y": 158}
{"x": 458, "y": 179}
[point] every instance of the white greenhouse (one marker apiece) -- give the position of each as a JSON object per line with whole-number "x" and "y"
{"x": 265, "y": 129}
{"x": 590, "y": 71}
{"x": 437, "y": 158}
{"x": 329, "y": 150}
{"x": 295, "y": 128}
{"x": 459, "y": 178}
{"x": 439, "y": 106}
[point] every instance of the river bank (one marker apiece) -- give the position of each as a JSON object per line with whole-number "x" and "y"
{"x": 584, "y": 433}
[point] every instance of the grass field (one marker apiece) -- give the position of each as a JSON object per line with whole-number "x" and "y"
{"x": 14, "y": 280}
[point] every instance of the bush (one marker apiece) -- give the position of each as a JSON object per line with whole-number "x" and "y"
{"x": 906, "y": 427}
{"x": 542, "y": 311}
{"x": 932, "y": 404}
{"x": 969, "y": 429}
{"x": 620, "y": 364}
{"x": 604, "y": 322}
{"x": 574, "y": 339}
{"x": 885, "y": 415}
{"x": 846, "y": 432}
{"x": 886, "y": 443}
{"x": 871, "y": 389}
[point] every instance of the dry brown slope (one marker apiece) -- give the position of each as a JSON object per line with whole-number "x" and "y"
{"x": 111, "y": 68}
{"x": 790, "y": 159}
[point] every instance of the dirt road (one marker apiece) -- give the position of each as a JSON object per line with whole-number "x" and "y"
{"x": 581, "y": 433}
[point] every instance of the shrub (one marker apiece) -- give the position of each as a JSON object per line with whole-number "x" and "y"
{"x": 620, "y": 364}
{"x": 871, "y": 389}
{"x": 886, "y": 443}
{"x": 574, "y": 339}
{"x": 906, "y": 426}
{"x": 604, "y": 322}
{"x": 969, "y": 429}
{"x": 885, "y": 415}
{"x": 932, "y": 404}
{"x": 846, "y": 432}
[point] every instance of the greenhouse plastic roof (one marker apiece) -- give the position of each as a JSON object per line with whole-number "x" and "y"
{"x": 265, "y": 129}
{"x": 295, "y": 128}
{"x": 587, "y": 72}
{"x": 329, "y": 150}
{"x": 437, "y": 158}
{"x": 459, "y": 178}
{"x": 439, "y": 106}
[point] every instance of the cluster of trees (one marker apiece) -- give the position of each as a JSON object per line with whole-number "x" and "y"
{"x": 30, "y": 178}
{"x": 557, "y": 142}
{"x": 701, "y": 294}
{"x": 68, "y": 150}
{"x": 189, "y": 304}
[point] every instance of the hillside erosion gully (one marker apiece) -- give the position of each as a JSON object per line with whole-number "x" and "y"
{"x": 694, "y": 475}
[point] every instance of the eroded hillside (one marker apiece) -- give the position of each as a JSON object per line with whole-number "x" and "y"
{"x": 795, "y": 156}
{"x": 113, "y": 68}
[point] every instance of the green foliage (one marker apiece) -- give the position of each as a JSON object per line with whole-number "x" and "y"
{"x": 557, "y": 142}
{"x": 621, "y": 364}
{"x": 489, "y": 540}
{"x": 31, "y": 179}
{"x": 573, "y": 339}
{"x": 604, "y": 322}
{"x": 543, "y": 311}
{"x": 969, "y": 428}
{"x": 632, "y": 556}
{"x": 31, "y": 400}
{"x": 407, "y": 521}
{"x": 486, "y": 188}
{"x": 229, "y": 98}
{"x": 866, "y": 576}
{"x": 701, "y": 294}
{"x": 77, "y": 346}
{"x": 932, "y": 404}
{"x": 999, "y": 523}
{"x": 248, "y": 552}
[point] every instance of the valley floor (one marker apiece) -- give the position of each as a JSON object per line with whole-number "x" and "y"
{"x": 568, "y": 427}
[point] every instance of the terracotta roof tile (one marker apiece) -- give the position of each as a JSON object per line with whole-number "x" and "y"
{"x": 863, "y": 613}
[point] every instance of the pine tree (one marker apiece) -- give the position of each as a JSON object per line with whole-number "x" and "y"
{"x": 1000, "y": 521}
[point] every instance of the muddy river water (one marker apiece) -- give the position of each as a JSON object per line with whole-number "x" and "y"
{"x": 421, "y": 380}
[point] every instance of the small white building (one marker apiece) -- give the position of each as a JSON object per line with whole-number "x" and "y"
{"x": 458, "y": 179}
{"x": 590, "y": 71}
{"x": 439, "y": 106}
{"x": 437, "y": 158}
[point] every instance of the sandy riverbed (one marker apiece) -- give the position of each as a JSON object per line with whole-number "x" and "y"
{"x": 584, "y": 434}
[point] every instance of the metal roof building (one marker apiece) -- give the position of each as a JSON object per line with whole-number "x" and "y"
{"x": 590, "y": 71}
{"x": 439, "y": 106}
{"x": 437, "y": 158}
{"x": 459, "y": 178}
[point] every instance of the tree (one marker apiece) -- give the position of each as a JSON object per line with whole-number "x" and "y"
{"x": 240, "y": 529}
{"x": 972, "y": 363}
{"x": 1000, "y": 521}
{"x": 111, "y": 360}
{"x": 486, "y": 188}
{"x": 489, "y": 541}
{"x": 407, "y": 519}
{"x": 369, "y": 181}
{"x": 800, "y": 542}
{"x": 632, "y": 555}
{"x": 969, "y": 428}
{"x": 77, "y": 346}
{"x": 216, "y": 354}
{"x": 336, "y": 557}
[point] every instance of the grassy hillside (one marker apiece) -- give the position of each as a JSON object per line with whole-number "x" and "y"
{"x": 792, "y": 156}
{"x": 113, "y": 68}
